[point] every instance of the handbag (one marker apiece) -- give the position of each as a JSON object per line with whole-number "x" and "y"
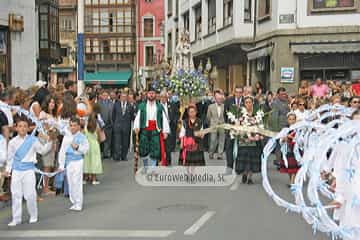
{"x": 101, "y": 135}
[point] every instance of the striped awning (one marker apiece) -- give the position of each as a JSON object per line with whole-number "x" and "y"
{"x": 325, "y": 47}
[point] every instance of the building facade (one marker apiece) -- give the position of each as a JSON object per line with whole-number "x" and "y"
{"x": 18, "y": 42}
{"x": 303, "y": 40}
{"x": 264, "y": 41}
{"x": 48, "y": 36}
{"x": 66, "y": 70}
{"x": 110, "y": 47}
{"x": 150, "y": 38}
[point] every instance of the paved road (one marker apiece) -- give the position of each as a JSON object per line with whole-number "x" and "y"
{"x": 119, "y": 208}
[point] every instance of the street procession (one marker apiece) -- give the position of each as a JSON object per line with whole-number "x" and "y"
{"x": 120, "y": 119}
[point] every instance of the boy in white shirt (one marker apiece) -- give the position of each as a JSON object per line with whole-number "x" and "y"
{"x": 21, "y": 161}
{"x": 74, "y": 149}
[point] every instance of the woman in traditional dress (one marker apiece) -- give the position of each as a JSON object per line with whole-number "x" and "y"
{"x": 293, "y": 166}
{"x": 192, "y": 152}
{"x": 249, "y": 148}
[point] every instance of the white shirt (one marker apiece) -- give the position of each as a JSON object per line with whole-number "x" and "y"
{"x": 8, "y": 113}
{"x": 218, "y": 106}
{"x": 151, "y": 115}
{"x": 166, "y": 109}
{"x": 301, "y": 115}
{"x": 37, "y": 147}
{"x": 66, "y": 142}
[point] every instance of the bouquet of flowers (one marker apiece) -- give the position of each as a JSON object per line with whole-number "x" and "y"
{"x": 240, "y": 117}
{"x": 184, "y": 83}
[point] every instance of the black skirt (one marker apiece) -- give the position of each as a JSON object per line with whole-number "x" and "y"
{"x": 194, "y": 158}
{"x": 248, "y": 159}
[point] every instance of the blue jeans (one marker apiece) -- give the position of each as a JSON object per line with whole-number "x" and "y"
{"x": 61, "y": 179}
{"x": 153, "y": 163}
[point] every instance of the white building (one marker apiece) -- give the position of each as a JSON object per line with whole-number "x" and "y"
{"x": 290, "y": 40}
{"x": 18, "y": 42}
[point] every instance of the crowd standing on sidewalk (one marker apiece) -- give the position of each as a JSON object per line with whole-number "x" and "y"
{"x": 106, "y": 123}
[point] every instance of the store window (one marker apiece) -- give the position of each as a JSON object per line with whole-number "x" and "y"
{"x": 4, "y": 57}
{"x": 333, "y": 4}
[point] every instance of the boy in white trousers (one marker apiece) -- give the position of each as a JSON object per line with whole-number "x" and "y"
{"x": 74, "y": 152}
{"x": 21, "y": 161}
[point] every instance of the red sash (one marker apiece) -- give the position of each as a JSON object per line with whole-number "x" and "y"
{"x": 152, "y": 127}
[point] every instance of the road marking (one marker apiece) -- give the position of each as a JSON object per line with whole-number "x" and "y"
{"x": 235, "y": 185}
{"x": 199, "y": 223}
{"x": 86, "y": 233}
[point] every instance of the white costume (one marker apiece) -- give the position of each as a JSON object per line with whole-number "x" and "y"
{"x": 348, "y": 193}
{"x": 73, "y": 160}
{"x": 21, "y": 161}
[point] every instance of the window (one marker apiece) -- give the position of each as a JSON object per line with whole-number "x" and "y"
{"x": 44, "y": 34}
{"x": 247, "y": 11}
{"x": 148, "y": 1}
{"x": 211, "y": 16}
{"x": 330, "y": 4}
{"x": 109, "y": 20}
{"x": 170, "y": 7}
{"x": 148, "y": 27}
{"x": 264, "y": 9}
{"x": 228, "y": 12}
{"x": 198, "y": 22}
{"x": 149, "y": 56}
{"x": 186, "y": 21}
{"x": 67, "y": 23}
{"x": 169, "y": 45}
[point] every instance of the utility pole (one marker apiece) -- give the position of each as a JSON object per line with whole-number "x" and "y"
{"x": 80, "y": 48}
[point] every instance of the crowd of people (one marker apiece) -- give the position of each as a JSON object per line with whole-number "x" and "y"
{"x": 110, "y": 123}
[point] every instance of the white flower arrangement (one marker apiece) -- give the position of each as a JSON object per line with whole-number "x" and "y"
{"x": 248, "y": 121}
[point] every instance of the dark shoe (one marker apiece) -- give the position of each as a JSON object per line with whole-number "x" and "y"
{"x": 219, "y": 157}
{"x": 250, "y": 181}
{"x": 244, "y": 178}
{"x": 58, "y": 191}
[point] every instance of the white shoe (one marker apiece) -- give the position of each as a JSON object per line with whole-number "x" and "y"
{"x": 84, "y": 182}
{"x": 13, "y": 223}
{"x": 75, "y": 208}
{"x": 95, "y": 182}
{"x": 33, "y": 220}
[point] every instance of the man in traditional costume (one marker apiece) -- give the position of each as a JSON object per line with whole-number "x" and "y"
{"x": 152, "y": 125}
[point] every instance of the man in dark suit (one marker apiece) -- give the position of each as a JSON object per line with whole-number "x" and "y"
{"x": 106, "y": 108}
{"x": 237, "y": 101}
{"x": 172, "y": 111}
{"x": 122, "y": 116}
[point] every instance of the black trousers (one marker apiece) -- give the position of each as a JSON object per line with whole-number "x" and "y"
{"x": 121, "y": 143}
{"x": 229, "y": 147}
{"x": 106, "y": 145}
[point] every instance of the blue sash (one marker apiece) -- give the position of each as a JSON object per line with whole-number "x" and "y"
{"x": 71, "y": 154}
{"x": 21, "y": 153}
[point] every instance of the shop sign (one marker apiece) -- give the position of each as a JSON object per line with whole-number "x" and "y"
{"x": 287, "y": 75}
